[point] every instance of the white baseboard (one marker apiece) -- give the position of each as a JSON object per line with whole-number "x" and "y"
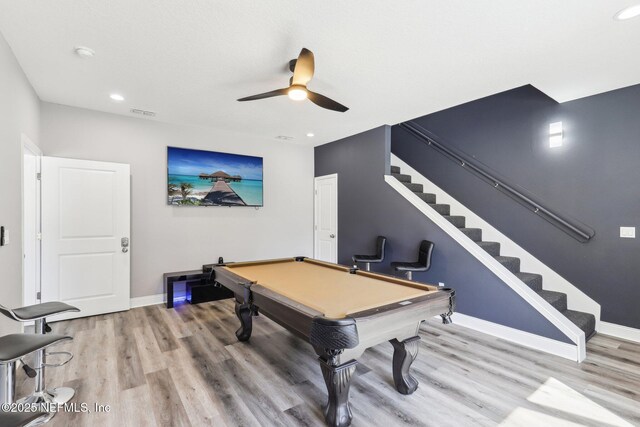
{"x": 525, "y": 339}
{"x": 154, "y": 299}
{"x": 619, "y": 331}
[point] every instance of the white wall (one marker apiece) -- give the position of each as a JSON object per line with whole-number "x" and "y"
{"x": 19, "y": 113}
{"x": 169, "y": 238}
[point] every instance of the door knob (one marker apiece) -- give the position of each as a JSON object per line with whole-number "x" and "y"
{"x": 332, "y": 235}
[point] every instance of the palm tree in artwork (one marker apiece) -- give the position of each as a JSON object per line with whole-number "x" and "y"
{"x": 185, "y": 189}
{"x": 172, "y": 189}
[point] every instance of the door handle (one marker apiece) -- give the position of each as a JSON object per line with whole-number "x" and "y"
{"x": 332, "y": 236}
{"x": 124, "y": 242}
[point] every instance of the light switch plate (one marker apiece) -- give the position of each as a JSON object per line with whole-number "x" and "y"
{"x": 628, "y": 232}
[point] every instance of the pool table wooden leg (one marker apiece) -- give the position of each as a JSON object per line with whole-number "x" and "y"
{"x": 404, "y": 353}
{"x": 337, "y": 412}
{"x": 244, "y": 312}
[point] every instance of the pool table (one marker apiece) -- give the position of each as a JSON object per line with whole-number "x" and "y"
{"x": 340, "y": 311}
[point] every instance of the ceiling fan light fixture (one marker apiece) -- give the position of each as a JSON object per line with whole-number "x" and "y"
{"x": 297, "y": 93}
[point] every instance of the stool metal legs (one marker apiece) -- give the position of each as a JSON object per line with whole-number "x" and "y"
{"x": 367, "y": 266}
{"x": 8, "y": 390}
{"x": 409, "y": 275}
{"x": 58, "y": 395}
{"x": 7, "y": 382}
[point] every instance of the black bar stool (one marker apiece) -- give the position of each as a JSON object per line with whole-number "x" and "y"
{"x": 14, "y": 347}
{"x": 38, "y": 313}
{"x": 423, "y": 263}
{"x": 381, "y": 241}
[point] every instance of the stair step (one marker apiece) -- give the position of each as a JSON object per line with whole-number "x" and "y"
{"x": 456, "y": 220}
{"x": 427, "y": 197}
{"x": 532, "y": 280}
{"x": 511, "y": 263}
{"x": 441, "y": 209}
{"x": 416, "y": 188}
{"x": 557, "y": 299}
{"x": 401, "y": 177}
{"x": 584, "y": 321}
{"x": 474, "y": 234}
{"x": 493, "y": 248}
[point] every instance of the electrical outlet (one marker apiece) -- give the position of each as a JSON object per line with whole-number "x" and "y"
{"x": 628, "y": 232}
{"x": 440, "y": 283}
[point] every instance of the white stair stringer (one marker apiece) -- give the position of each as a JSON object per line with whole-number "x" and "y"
{"x": 576, "y": 299}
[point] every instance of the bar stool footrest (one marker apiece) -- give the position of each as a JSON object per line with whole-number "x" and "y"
{"x": 57, "y": 353}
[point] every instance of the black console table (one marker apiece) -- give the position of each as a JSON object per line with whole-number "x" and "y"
{"x": 181, "y": 276}
{"x": 195, "y": 279}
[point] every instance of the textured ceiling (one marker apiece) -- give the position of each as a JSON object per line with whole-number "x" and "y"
{"x": 389, "y": 61}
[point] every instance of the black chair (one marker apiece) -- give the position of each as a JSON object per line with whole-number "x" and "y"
{"x": 381, "y": 241}
{"x": 423, "y": 263}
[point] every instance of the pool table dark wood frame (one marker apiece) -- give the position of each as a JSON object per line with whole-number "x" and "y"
{"x": 338, "y": 342}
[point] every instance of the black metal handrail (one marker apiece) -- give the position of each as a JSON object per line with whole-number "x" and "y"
{"x": 583, "y": 233}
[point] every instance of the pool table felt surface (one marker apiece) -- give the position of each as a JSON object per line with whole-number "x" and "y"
{"x": 328, "y": 288}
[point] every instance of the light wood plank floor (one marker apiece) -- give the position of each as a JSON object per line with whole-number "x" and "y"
{"x": 184, "y": 367}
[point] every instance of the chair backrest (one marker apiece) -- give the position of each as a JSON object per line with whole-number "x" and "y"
{"x": 426, "y": 249}
{"x": 380, "y": 244}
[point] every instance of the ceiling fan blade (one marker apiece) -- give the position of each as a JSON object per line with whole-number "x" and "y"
{"x": 324, "y": 102}
{"x": 271, "y": 94}
{"x": 305, "y": 66}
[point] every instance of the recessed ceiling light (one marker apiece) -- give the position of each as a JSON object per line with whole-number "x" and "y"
{"x": 628, "y": 13}
{"x": 310, "y": 134}
{"x": 116, "y": 97}
{"x": 84, "y": 52}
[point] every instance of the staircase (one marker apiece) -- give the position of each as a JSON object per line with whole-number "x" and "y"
{"x": 585, "y": 321}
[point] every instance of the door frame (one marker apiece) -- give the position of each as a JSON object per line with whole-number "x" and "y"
{"x": 30, "y": 292}
{"x": 315, "y": 211}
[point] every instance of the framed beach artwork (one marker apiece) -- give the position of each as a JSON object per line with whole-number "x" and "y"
{"x": 210, "y": 178}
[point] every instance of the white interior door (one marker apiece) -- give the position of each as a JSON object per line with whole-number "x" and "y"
{"x": 326, "y": 218}
{"x": 85, "y": 219}
{"x": 31, "y": 156}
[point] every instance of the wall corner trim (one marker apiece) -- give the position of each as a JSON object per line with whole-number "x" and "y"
{"x": 619, "y": 331}
{"x": 525, "y": 339}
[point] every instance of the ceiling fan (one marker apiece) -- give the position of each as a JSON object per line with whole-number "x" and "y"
{"x": 302, "y": 69}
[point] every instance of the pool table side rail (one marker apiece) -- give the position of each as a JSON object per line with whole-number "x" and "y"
{"x": 290, "y": 314}
{"x": 346, "y": 269}
{"x": 299, "y": 318}
{"x": 235, "y": 283}
{"x": 398, "y": 281}
{"x": 434, "y": 303}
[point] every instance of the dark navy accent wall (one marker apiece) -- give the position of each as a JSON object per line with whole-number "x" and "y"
{"x": 594, "y": 177}
{"x": 368, "y": 207}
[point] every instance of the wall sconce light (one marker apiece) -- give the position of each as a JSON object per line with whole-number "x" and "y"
{"x": 555, "y": 135}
